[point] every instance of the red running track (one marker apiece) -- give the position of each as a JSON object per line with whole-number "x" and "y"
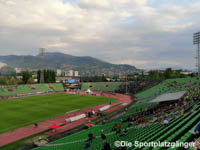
{"x": 20, "y": 133}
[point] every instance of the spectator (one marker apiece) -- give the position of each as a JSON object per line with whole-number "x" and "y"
{"x": 165, "y": 122}
{"x": 40, "y": 139}
{"x": 104, "y": 121}
{"x": 35, "y": 125}
{"x": 125, "y": 132}
{"x": 93, "y": 112}
{"x": 139, "y": 120}
{"x": 182, "y": 112}
{"x": 122, "y": 120}
{"x": 135, "y": 119}
{"x": 90, "y": 137}
{"x": 90, "y": 114}
{"x": 197, "y": 130}
{"x": 130, "y": 118}
{"x": 87, "y": 144}
{"x": 106, "y": 146}
{"x": 114, "y": 127}
{"x": 130, "y": 124}
{"x": 103, "y": 136}
{"x": 119, "y": 128}
{"x": 100, "y": 113}
{"x": 87, "y": 119}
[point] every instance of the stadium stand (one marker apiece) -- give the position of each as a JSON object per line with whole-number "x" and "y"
{"x": 137, "y": 86}
{"x": 155, "y": 132}
{"x": 167, "y": 86}
{"x": 101, "y": 86}
{"x": 143, "y": 127}
{"x": 6, "y": 91}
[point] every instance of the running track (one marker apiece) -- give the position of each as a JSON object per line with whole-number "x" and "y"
{"x": 20, "y": 133}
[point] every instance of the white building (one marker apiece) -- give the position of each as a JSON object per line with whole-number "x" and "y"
{"x": 58, "y": 72}
{"x": 19, "y": 77}
{"x": 186, "y": 72}
{"x": 18, "y": 70}
{"x": 146, "y": 73}
{"x": 65, "y": 73}
{"x": 71, "y": 73}
{"x": 76, "y": 73}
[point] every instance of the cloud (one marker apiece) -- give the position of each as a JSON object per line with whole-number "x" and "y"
{"x": 144, "y": 33}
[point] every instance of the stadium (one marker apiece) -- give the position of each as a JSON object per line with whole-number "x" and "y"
{"x": 140, "y": 117}
{"x": 99, "y": 75}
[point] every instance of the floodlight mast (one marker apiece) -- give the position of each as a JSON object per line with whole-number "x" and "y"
{"x": 196, "y": 41}
{"x": 42, "y": 51}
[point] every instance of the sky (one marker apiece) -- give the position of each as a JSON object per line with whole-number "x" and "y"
{"x": 148, "y": 34}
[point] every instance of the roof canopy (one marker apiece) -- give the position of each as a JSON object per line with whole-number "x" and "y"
{"x": 169, "y": 97}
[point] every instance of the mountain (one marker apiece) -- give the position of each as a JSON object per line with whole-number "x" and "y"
{"x": 87, "y": 66}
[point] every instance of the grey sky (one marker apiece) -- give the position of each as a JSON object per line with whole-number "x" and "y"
{"x": 143, "y": 33}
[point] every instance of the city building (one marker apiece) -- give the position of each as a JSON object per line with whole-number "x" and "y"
{"x": 71, "y": 73}
{"x": 76, "y": 74}
{"x": 18, "y": 70}
{"x": 58, "y": 72}
{"x": 146, "y": 73}
{"x": 186, "y": 72}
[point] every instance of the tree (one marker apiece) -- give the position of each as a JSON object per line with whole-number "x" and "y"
{"x": 103, "y": 78}
{"x": 177, "y": 74}
{"x": 49, "y": 76}
{"x": 30, "y": 81}
{"x": 168, "y": 73}
{"x": 12, "y": 81}
{"x": 26, "y": 75}
{"x": 3, "y": 80}
{"x": 96, "y": 79}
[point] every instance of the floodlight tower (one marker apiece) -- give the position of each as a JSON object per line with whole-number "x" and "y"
{"x": 196, "y": 41}
{"x": 42, "y": 51}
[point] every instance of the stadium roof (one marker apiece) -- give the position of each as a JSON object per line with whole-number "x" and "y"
{"x": 169, "y": 97}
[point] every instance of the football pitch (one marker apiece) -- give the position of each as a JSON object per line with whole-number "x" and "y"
{"x": 25, "y": 111}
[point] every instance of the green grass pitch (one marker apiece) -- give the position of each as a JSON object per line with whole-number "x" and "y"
{"x": 25, "y": 111}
